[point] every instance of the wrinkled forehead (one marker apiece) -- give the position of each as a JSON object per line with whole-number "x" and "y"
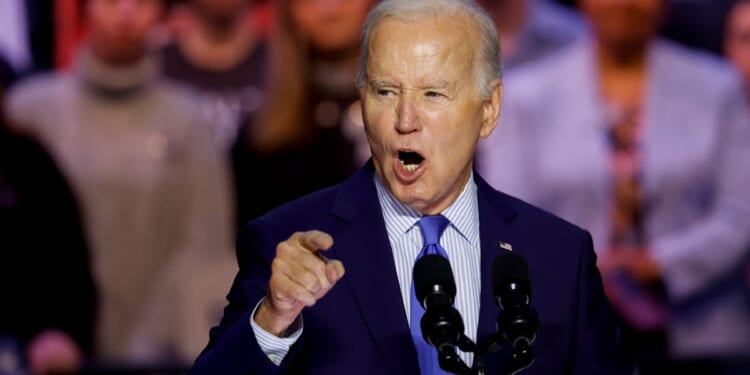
{"x": 432, "y": 47}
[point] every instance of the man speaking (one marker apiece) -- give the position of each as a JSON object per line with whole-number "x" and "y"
{"x": 325, "y": 283}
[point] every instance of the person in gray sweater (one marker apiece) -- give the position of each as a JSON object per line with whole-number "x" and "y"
{"x": 151, "y": 182}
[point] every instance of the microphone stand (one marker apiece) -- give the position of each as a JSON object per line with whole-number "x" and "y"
{"x": 451, "y": 362}
{"x": 521, "y": 358}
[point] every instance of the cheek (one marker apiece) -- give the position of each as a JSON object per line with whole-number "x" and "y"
{"x": 378, "y": 119}
{"x": 375, "y": 136}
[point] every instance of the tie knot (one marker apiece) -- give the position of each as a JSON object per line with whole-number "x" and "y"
{"x": 432, "y": 227}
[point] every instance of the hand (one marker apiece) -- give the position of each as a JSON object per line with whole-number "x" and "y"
{"x": 300, "y": 276}
{"x": 611, "y": 260}
{"x": 636, "y": 261}
{"x": 53, "y": 352}
{"x": 643, "y": 267}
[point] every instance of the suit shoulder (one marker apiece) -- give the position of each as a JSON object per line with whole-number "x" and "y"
{"x": 37, "y": 89}
{"x": 537, "y": 221}
{"x": 555, "y": 70}
{"x": 32, "y": 103}
{"x": 702, "y": 69}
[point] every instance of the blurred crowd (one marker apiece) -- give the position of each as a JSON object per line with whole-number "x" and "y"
{"x": 125, "y": 176}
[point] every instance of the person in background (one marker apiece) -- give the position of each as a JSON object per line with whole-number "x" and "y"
{"x": 219, "y": 49}
{"x": 737, "y": 41}
{"x": 140, "y": 158}
{"x": 309, "y": 132}
{"x": 646, "y": 144}
{"x": 531, "y": 29}
{"x": 48, "y": 295}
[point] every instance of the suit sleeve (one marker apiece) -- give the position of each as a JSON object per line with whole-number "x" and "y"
{"x": 233, "y": 347}
{"x": 599, "y": 347}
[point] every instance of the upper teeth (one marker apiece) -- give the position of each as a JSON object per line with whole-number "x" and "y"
{"x": 409, "y": 167}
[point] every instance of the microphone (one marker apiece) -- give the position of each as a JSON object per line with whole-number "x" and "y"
{"x": 518, "y": 322}
{"x": 435, "y": 289}
{"x": 441, "y": 324}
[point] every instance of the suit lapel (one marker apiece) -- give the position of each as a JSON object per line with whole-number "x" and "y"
{"x": 496, "y": 233}
{"x": 363, "y": 246}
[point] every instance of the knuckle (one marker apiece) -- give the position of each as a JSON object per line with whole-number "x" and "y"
{"x": 319, "y": 268}
{"x": 310, "y": 281}
{"x": 276, "y": 266}
{"x": 283, "y": 248}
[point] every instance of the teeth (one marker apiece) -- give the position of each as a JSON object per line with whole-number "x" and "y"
{"x": 409, "y": 167}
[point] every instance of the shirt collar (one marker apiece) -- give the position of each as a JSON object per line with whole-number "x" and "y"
{"x": 463, "y": 213}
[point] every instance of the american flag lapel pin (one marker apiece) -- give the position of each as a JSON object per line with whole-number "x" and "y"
{"x": 505, "y": 246}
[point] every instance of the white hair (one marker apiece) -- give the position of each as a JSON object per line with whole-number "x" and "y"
{"x": 489, "y": 66}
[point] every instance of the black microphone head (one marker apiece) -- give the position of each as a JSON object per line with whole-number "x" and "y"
{"x": 432, "y": 272}
{"x": 510, "y": 269}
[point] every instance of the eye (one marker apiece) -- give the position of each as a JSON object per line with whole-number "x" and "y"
{"x": 433, "y": 94}
{"x": 384, "y": 92}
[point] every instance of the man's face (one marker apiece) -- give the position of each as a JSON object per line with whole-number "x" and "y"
{"x": 119, "y": 28}
{"x": 624, "y": 22}
{"x": 737, "y": 41}
{"x": 422, "y": 110}
{"x": 330, "y": 25}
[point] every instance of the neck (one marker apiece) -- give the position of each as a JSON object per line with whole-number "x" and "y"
{"x": 622, "y": 73}
{"x": 622, "y": 58}
{"x": 220, "y": 31}
{"x": 105, "y": 56}
{"x": 217, "y": 46}
{"x": 117, "y": 80}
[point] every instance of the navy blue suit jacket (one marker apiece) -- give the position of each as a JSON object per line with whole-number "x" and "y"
{"x": 360, "y": 326}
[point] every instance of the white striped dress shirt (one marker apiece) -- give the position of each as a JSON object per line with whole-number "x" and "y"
{"x": 460, "y": 240}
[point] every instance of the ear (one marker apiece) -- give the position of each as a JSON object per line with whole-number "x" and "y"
{"x": 491, "y": 108}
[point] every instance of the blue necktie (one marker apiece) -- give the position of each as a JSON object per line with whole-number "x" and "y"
{"x": 432, "y": 227}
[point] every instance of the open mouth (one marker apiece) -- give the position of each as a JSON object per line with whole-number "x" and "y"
{"x": 410, "y": 160}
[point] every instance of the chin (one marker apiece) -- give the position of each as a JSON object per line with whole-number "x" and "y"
{"x": 415, "y": 200}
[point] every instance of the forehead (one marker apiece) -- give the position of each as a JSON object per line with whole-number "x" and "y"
{"x": 431, "y": 48}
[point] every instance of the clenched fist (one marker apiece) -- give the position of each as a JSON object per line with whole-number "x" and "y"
{"x": 300, "y": 276}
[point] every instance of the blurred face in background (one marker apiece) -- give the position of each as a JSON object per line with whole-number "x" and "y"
{"x": 119, "y": 28}
{"x": 330, "y": 25}
{"x": 737, "y": 39}
{"x": 624, "y": 23}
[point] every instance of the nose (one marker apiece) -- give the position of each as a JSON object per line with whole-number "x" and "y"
{"x": 407, "y": 119}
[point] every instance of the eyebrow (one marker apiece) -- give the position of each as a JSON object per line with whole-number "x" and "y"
{"x": 381, "y": 83}
{"x": 435, "y": 85}
{"x": 430, "y": 85}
